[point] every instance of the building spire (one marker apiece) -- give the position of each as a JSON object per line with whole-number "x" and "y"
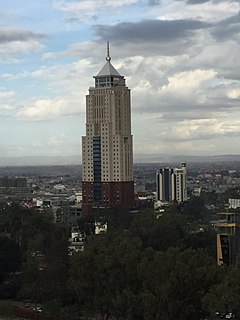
{"x": 108, "y": 58}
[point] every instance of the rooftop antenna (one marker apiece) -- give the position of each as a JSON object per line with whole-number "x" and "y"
{"x": 108, "y": 58}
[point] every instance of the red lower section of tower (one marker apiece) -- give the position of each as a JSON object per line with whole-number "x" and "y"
{"x": 113, "y": 194}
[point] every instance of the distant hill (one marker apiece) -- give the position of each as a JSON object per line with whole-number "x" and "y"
{"x": 40, "y": 161}
{"x": 138, "y": 158}
{"x": 170, "y": 158}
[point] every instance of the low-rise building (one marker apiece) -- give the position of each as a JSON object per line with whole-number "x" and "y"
{"x": 76, "y": 242}
{"x": 14, "y": 185}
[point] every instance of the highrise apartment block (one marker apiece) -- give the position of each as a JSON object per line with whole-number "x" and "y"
{"x": 172, "y": 184}
{"x": 107, "y": 147}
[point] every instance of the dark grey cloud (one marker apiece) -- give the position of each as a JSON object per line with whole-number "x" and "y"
{"x": 227, "y": 29}
{"x": 193, "y": 2}
{"x": 79, "y": 19}
{"x": 165, "y": 105}
{"x": 165, "y": 37}
{"x": 197, "y": 1}
{"x": 154, "y": 2}
{"x": 150, "y": 30}
{"x": 9, "y": 34}
{"x": 230, "y": 73}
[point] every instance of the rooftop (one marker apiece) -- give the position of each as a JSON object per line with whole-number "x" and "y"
{"x": 108, "y": 70}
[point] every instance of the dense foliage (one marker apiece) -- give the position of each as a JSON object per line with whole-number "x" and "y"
{"x": 146, "y": 267}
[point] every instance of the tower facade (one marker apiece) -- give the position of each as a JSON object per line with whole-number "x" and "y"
{"x": 172, "y": 184}
{"x": 164, "y": 184}
{"x": 228, "y": 238}
{"x": 107, "y": 147}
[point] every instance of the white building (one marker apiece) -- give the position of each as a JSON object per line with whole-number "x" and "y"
{"x": 76, "y": 242}
{"x": 172, "y": 184}
{"x": 234, "y": 203}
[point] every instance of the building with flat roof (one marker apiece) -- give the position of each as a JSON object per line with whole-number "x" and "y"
{"x": 14, "y": 185}
{"x": 171, "y": 184}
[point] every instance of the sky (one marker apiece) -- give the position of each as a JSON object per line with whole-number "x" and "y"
{"x": 181, "y": 60}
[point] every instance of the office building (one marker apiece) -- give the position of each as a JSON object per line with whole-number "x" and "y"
{"x": 14, "y": 185}
{"x": 164, "y": 185}
{"x": 228, "y": 238}
{"x": 107, "y": 147}
{"x": 172, "y": 184}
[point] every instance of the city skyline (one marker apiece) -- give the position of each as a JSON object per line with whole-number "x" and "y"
{"x": 180, "y": 59}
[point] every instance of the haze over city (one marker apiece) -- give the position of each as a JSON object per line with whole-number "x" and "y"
{"x": 180, "y": 59}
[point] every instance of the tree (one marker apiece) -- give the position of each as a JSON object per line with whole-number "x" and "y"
{"x": 159, "y": 232}
{"x": 119, "y": 278}
{"x": 86, "y": 225}
{"x": 202, "y": 238}
{"x": 104, "y": 277}
{"x": 44, "y": 277}
{"x": 174, "y": 283}
{"x": 224, "y": 296}
{"x": 195, "y": 208}
{"x": 57, "y": 262}
{"x": 10, "y": 258}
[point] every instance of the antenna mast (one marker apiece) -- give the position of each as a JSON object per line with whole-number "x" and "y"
{"x": 108, "y": 58}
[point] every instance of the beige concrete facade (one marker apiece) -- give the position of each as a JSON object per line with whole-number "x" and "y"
{"x": 108, "y": 115}
{"x": 107, "y": 147}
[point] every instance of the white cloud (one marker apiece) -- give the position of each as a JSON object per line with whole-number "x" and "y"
{"x": 36, "y": 145}
{"x": 7, "y": 94}
{"x": 68, "y": 85}
{"x": 88, "y": 10}
{"x": 7, "y": 103}
{"x": 204, "y": 129}
{"x": 205, "y": 136}
{"x": 42, "y": 109}
{"x": 15, "y": 40}
{"x": 56, "y": 140}
{"x": 88, "y": 5}
{"x": 7, "y": 107}
{"x": 17, "y": 47}
{"x": 210, "y": 11}
{"x": 187, "y": 82}
{"x": 9, "y": 60}
{"x": 184, "y": 90}
{"x": 234, "y": 94}
{"x": 49, "y": 56}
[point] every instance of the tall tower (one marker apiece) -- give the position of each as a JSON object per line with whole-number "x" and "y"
{"x": 107, "y": 152}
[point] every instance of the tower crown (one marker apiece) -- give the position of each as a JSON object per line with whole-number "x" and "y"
{"x": 108, "y": 76}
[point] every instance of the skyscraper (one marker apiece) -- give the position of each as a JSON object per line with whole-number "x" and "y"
{"x": 107, "y": 152}
{"x": 172, "y": 184}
